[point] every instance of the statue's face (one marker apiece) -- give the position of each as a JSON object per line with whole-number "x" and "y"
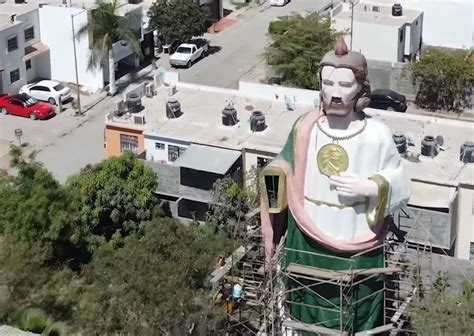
{"x": 339, "y": 89}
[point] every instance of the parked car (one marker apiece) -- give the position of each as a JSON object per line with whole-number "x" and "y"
{"x": 188, "y": 53}
{"x": 279, "y": 3}
{"x": 389, "y": 100}
{"x": 25, "y": 106}
{"x": 47, "y": 90}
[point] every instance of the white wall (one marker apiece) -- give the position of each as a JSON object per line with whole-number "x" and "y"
{"x": 160, "y": 155}
{"x": 14, "y": 60}
{"x": 56, "y": 33}
{"x": 465, "y": 222}
{"x": 376, "y": 41}
{"x": 447, "y": 23}
{"x": 277, "y": 93}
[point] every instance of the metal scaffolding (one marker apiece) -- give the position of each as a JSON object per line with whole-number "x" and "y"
{"x": 264, "y": 308}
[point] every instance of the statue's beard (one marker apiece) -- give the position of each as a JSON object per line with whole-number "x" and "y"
{"x": 337, "y": 107}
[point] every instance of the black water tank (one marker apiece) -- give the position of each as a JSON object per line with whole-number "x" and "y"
{"x": 229, "y": 116}
{"x": 397, "y": 10}
{"x": 466, "y": 154}
{"x": 257, "y": 121}
{"x": 134, "y": 103}
{"x": 173, "y": 109}
{"x": 429, "y": 146}
{"x": 401, "y": 143}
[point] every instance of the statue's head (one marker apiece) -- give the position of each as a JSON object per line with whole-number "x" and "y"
{"x": 345, "y": 87}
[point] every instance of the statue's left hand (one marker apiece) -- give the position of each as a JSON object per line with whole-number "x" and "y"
{"x": 352, "y": 185}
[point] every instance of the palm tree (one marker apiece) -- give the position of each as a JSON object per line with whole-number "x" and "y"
{"x": 107, "y": 27}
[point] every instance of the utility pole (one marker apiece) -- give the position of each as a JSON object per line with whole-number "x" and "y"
{"x": 352, "y": 21}
{"x": 79, "y": 111}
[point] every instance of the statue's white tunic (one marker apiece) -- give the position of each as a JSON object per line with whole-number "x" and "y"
{"x": 370, "y": 152}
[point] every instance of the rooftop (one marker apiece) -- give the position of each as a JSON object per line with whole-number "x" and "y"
{"x": 201, "y": 123}
{"x": 9, "y": 7}
{"x": 376, "y": 14}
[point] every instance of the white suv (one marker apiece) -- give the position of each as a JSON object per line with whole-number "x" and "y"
{"x": 47, "y": 90}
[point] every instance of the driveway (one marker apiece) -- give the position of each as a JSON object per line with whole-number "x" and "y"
{"x": 242, "y": 45}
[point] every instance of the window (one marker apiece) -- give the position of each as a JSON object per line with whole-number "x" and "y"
{"x": 401, "y": 35}
{"x": 40, "y": 88}
{"x": 12, "y": 43}
{"x": 28, "y": 65}
{"x": 16, "y": 102}
{"x": 29, "y": 34}
{"x": 375, "y": 9}
{"x": 159, "y": 145}
{"x": 128, "y": 143}
{"x": 262, "y": 162}
{"x": 471, "y": 256}
{"x": 174, "y": 152}
{"x": 14, "y": 75}
{"x": 416, "y": 22}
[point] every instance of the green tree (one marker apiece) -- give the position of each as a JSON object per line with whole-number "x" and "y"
{"x": 178, "y": 21}
{"x": 106, "y": 27}
{"x": 298, "y": 45}
{"x": 441, "y": 314}
{"x": 444, "y": 79}
{"x": 115, "y": 197}
{"x": 152, "y": 284}
{"x": 34, "y": 206}
{"x": 229, "y": 205}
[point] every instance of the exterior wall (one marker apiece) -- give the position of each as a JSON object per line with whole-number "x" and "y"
{"x": 112, "y": 139}
{"x": 389, "y": 75}
{"x": 276, "y": 92}
{"x": 14, "y": 60}
{"x": 447, "y": 23}
{"x": 465, "y": 220}
{"x": 56, "y": 33}
{"x": 161, "y": 155}
{"x": 375, "y": 41}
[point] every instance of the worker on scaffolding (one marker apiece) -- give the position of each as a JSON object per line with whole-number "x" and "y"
{"x": 340, "y": 176}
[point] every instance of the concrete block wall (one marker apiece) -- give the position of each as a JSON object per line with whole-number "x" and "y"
{"x": 390, "y": 75}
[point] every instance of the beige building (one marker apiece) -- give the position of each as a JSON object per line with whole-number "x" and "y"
{"x": 198, "y": 145}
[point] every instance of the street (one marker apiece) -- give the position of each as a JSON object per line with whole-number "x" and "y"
{"x": 67, "y": 143}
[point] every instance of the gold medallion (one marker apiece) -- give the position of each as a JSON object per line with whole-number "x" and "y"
{"x": 332, "y": 159}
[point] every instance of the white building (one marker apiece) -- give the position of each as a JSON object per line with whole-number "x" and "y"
{"x": 377, "y": 33}
{"x": 446, "y": 23}
{"x": 36, "y": 41}
{"x": 22, "y": 55}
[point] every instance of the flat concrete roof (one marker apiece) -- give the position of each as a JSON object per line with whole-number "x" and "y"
{"x": 201, "y": 123}
{"x": 10, "y": 7}
{"x": 366, "y": 12}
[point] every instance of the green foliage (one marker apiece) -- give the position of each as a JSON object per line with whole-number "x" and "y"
{"x": 441, "y": 314}
{"x": 229, "y": 204}
{"x": 178, "y": 21}
{"x": 299, "y": 44}
{"x": 116, "y": 196}
{"x": 107, "y": 27}
{"x": 149, "y": 286}
{"x": 34, "y": 207}
{"x": 444, "y": 79}
{"x": 37, "y": 321}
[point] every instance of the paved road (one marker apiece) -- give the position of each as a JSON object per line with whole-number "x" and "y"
{"x": 242, "y": 45}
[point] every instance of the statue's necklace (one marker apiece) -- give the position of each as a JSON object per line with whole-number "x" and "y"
{"x": 332, "y": 159}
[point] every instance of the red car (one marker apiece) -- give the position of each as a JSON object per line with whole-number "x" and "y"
{"x": 25, "y": 106}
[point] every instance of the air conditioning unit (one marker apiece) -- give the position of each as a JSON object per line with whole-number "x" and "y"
{"x": 150, "y": 90}
{"x": 139, "y": 119}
